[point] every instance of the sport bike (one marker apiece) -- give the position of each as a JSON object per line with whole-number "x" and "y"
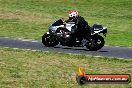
{"x": 62, "y": 34}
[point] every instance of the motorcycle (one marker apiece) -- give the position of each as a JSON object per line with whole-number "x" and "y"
{"x": 63, "y": 34}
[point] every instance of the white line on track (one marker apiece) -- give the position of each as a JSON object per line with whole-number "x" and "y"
{"x": 21, "y": 39}
{"x": 20, "y": 49}
{"x": 32, "y": 40}
{"x": 59, "y": 52}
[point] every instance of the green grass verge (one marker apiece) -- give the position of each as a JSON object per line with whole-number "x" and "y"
{"x": 39, "y": 69}
{"x": 30, "y": 18}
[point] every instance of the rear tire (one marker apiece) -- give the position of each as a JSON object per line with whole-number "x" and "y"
{"x": 96, "y": 43}
{"x": 49, "y": 40}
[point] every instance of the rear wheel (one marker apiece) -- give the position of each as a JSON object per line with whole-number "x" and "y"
{"x": 96, "y": 43}
{"x": 49, "y": 40}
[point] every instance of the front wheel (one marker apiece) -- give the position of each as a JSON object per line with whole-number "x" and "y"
{"x": 95, "y": 43}
{"x": 49, "y": 40}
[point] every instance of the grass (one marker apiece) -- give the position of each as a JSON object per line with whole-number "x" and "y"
{"x": 30, "y": 18}
{"x": 38, "y": 69}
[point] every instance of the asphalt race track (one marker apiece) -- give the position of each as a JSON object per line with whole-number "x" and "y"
{"x": 107, "y": 51}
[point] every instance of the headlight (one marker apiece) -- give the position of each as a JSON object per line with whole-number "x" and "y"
{"x": 104, "y": 27}
{"x": 52, "y": 29}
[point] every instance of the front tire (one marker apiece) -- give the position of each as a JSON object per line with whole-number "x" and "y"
{"x": 96, "y": 43}
{"x": 49, "y": 40}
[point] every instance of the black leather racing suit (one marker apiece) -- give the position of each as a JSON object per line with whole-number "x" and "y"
{"x": 82, "y": 27}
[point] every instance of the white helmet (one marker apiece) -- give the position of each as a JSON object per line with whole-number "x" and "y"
{"x": 73, "y": 14}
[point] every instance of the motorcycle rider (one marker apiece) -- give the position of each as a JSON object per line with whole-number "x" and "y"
{"x": 81, "y": 26}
